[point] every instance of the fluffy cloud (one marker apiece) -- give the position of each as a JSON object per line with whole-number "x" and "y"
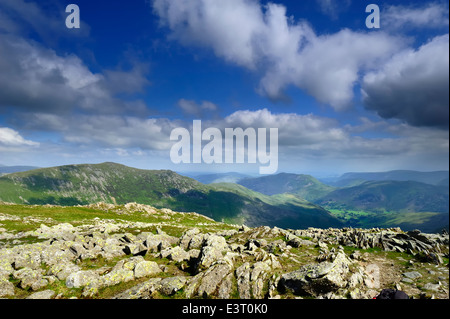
{"x": 294, "y": 130}
{"x": 328, "y": 67}
{"x": 227, "y": 26}
{"x": 413, "y": 86}
{"x": 288, "y": 52}
{"x": 135, "y": 80}
{"x": 321, "y": 143}
{"x": 307, "y": 135}
{"x": 429, "y": 15}
{"x": 190, "y": 107}
{"x": 106, "y": 130}
{"x": 25, "y": 18}
{"x": 324, "y": 139}
{"x": 10, "y": 137}
{"x": 309, "y": 140}
{"x": 36, "y": 79}
{"x": 332, "y": 8}
{"x": 33, "y": 78}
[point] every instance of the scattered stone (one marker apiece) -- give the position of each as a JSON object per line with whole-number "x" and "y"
{"x": 144, "y": 290}
{"x": 63, "y": 270}
{"x": 372, "y": 279}
{"x": 176, "y": 254}
{"x": 82, "y": 278}
{"x": 317, "y": 279}
{"x": 146, "y": 268}
{"x": 429, "y": 257}
{"x": 6, "y": 287}
{"x": 412, "y": 275}
{"x": 45, "y": 294}
{"x": 432, "y": 287}
{"x": 171, "y": 285}
{"x": 209, "y": 262}
{"x": 212, "y": 250}
{"x": 211, "y": 279}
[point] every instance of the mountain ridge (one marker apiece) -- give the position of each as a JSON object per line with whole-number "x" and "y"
{"x": 390, "y": 195}
{"x": 282, "y": 200}
{"x": 118, "y": 184}
{"x": 432, "y": 177}
{"x": 369, "y": 203}
{"x": 302, "y": 185}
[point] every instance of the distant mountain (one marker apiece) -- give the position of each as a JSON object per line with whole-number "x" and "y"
{"x": 409, "y": 205}
{"x": 231, "y": 177}
{"x": 389, "y": 196}
{"x": 113, "y": 183}
{"x": 303, "y": 186}
{"x": 353, "y": 179}
{"x": 15, "y": 169}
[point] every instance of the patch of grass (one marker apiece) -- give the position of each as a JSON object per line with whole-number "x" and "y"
{"x": 19, "y": 226}
{"x": 410, "y": 218}
{"x": 351, "y": 249}
{"x": 84, "y": 215}
{"x": 59, "y": 287}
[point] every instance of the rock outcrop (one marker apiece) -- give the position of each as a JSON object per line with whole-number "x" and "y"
{"x": 214, "y": 261}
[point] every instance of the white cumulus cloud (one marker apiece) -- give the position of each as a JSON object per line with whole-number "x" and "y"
{"x": 10, "y": 137}
{"x": 413, "y": 86}
{"x": 287, "y": 52}
{"x": 428, "y": 15}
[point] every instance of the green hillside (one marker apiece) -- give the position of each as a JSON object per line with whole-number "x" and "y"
{"x": 391, "y": 203}
{"x": 433, "y": 178}
{"x": 291, "y": 210}
{"x": 303, "y": 186}
{"x": 114, "y": 183}
{"x": 389, "y": 196}
{"x": 14, "y": 169}
{"x": 231, "y": 177}
{"x": 87, "y": 183}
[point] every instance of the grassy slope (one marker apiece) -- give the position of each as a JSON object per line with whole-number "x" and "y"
{"x": 408, "y": 205}
{"x": 384, "y": 204}
{"x": 36, "y": 215}
{"x": 303, "y": 186}
{"x": 114, "y": 183}
{"x": 389, "y": 196}
{"x": 366, "y": 204}
{"x": 86, "y": 183}
{"x": 292, "y": 210}
{"x": 433, "y": 178}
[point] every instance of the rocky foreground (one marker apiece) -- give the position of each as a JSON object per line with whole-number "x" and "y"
{"x": 167, "y": 257}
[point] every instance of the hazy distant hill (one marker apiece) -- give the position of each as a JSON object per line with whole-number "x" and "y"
{"x": 114, "y": 183}
{"x": 390, "y": 196}
{"x": 231, "y": 177}
{"x": 408, "y": 205}
{"x": 15, "y": 169}
{"x": 433, "y": 178}
{"x": 303, "y": 186}
{"x": 444, "y": 182}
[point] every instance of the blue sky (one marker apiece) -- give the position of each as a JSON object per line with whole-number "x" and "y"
{"x": 343, "y": 97}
